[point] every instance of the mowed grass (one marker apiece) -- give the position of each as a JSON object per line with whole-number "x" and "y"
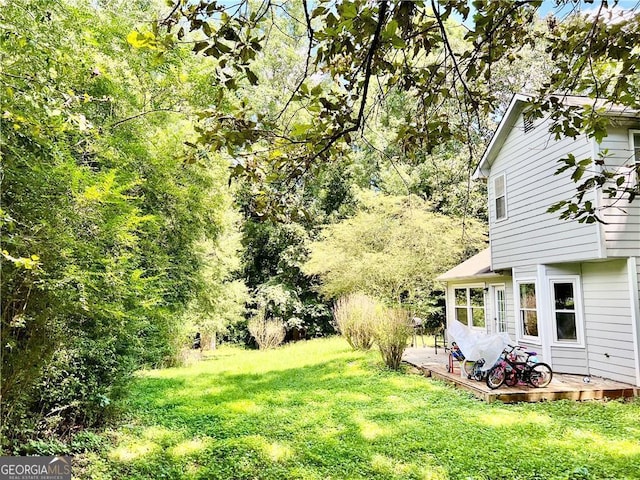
{"x": 317, "y": 410}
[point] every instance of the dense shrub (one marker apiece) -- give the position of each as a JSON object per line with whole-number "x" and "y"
{"x": 355, "y": 315}
{"x": 100, "y": 218}
{"x": 391, "y": 331}
{"x": 268, "y": 332}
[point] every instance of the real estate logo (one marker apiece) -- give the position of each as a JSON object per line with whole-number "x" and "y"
{"x": 35, "y": 468}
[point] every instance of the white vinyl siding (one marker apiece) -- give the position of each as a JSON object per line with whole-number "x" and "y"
{"x": 529, "y": 234}
{"x": 569, "y": 360}
{"x": 525, "y": 271}
{"x": 622, "y": 227}
{"x": 638, "y": 270}
{"x": 633, "y": 270}
{"x": 608, "y": 327}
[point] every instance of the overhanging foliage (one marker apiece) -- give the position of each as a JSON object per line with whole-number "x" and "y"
{"x": 358, "y": 52}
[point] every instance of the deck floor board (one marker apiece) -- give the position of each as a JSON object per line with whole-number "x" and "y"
{"x": 563, "y": 386}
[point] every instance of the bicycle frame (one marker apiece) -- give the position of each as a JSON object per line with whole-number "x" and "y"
{"x": 508, "y": 369}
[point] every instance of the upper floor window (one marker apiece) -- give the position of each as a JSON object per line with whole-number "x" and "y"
{"x": 500, "y": 195}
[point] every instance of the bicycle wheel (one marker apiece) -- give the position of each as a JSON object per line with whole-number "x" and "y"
{"x": 540, "y": 375}
{"x": 468, "y": 368}
{"x": 511, "y": 378}
{"x": 478, "y": 374}
{"x": 495, "y": 377}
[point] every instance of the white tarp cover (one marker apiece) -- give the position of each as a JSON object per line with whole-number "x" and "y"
{"x": 476, "y": 345}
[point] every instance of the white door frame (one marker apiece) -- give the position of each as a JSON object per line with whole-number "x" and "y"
{"x": 496, "y": 320}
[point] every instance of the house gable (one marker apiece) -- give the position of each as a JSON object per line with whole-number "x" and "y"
{"x": 526, "y": 162}
{"x": 504, "y": 129}
{"x": 519, "y": 166}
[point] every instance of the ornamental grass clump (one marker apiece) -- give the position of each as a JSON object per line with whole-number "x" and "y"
{"x": 391, "y": 332}
{"x": 354, "y": 316}
{"x": 268, "y": 332}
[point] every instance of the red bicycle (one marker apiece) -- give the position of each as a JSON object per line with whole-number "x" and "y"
{"x": 517, "y": 366}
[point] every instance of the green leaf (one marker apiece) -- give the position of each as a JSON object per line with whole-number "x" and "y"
{"x": 398, "y": 43}
{"x": 252, "y": 77}
{"x": 577, "y": 174}
{"x": 141, "y": 40}
{"x": 134, "y": 39}
{"x": 390, "y": 29}
{"x": 300, "y": 129}
{"x": 349, "y": 10}
{"x": 198, "y": 46}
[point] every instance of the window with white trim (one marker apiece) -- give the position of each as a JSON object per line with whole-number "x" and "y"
{"x": 528, "y": 309}
{"x": 635, "y": 145}
{"x": 633, "y": 166}
{"x": 500, "y": 196}
{"x": 469, "y": 306}
{"x": 566, "y": 315}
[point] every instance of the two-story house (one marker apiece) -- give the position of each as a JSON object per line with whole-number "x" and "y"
{"x": 568, "y": 290}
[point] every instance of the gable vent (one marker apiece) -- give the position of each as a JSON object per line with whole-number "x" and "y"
{"x": 528, "y": 122}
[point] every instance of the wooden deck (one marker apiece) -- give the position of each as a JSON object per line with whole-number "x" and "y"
{"x": 569, "y": 387}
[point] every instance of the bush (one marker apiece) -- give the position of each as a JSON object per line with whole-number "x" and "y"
{"x": 47, "y": 448}
{"x": 355, "y": 315}
{"x": 188, "y": 356}
{"x": 84, "y": 441}
{"x": 269, "y": 333}
{"x": 391, "y": 331}
{"x": 87, "y": 442}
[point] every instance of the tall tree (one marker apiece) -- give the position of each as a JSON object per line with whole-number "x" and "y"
{"x": 359, "y": 51}
{"x": 393, "y": 248}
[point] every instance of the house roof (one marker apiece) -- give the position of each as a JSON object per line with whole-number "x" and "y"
{"x": 519, "y": 101}
{"x": 477, "y": 266}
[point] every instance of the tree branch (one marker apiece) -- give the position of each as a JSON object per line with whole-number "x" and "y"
{"x": 310, "y": 33}
{"x": 375, "y": 43}
{"x": 141, "y": 114}
{"x": 166, "y": 20}
{"x": 448, "y": 47}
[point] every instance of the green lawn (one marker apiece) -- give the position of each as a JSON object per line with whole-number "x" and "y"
{"x": 316, "y": 410}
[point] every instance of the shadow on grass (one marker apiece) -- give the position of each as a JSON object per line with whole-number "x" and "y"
{"x": 348, "y": 418}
